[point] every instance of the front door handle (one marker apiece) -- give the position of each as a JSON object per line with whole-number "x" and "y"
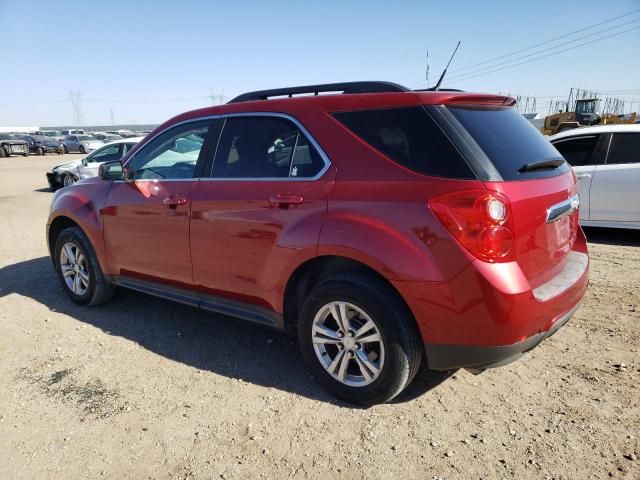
{"x": 173, "y": 202}
{"x": 583, "y": 175}
{"x": 284, "y": 201}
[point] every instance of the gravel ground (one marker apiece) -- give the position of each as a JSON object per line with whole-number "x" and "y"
{"x": 144, "y": 388}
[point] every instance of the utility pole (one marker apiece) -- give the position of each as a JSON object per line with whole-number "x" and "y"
{"x": 76, "y": 105}
{"x": 111, "y": 115}
{"x": 216, "y": 99}
{"x": 426, "y": 74}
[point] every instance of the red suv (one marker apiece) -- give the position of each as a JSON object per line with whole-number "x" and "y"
{"x": 383, "y": 225}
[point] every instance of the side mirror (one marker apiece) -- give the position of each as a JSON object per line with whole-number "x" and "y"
{"x": 111, "y": 171}
{"x": 84, "y": 162}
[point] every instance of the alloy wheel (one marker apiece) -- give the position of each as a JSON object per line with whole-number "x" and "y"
{"x": 75, "y": 268}
{"x": 348, "y": 344}
{"x": 68, "y": 180}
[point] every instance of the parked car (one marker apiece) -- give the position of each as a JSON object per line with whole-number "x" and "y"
{"x": 50, "y": 133}
{"x": 73, "y": 131}
{"x": 606, "y": 160}
{"x": 380, "y": 224}
{"x": 40, "y": 145}
{"x": 105, "y": 137}
{"x": 70, "y": 172}
{"x": 10, "y": 145}
{"x": 80, "y": 143}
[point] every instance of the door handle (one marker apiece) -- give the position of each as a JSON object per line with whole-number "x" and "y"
{"x": 583, "y": 175}
{"x": 173, "y": 202}
{"x": 284, "y": 201}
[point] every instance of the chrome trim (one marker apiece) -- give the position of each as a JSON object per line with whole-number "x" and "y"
{"x": 301, "y": 128}
{"x": 571, "y": 272}
{"x": 563, "y": 209}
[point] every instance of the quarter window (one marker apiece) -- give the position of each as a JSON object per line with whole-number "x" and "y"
{"x": 579, "y": 151}
{"x": 172, "y": 155}
{"x": 264, "y": 147}
{"x": 625, "y": 148}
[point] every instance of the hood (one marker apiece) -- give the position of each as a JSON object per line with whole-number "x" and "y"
{"x": 74, "y": 164}
{"x": 14, "y": 141}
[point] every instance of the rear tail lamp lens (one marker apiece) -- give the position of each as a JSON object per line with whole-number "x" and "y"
{"x": 480, "y": 220}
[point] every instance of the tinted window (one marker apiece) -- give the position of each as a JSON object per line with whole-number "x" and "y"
{"x": 578, "y": 151}
{"x": 410, "y": 137}
{"x": 625, "y": 148}
{"x": 509, "y": 140}
{"x": 264, "y": 147}
{"x": 106, "y": 154}
{"x": 173, "y": 154}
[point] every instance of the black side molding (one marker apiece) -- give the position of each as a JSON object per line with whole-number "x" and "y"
{"x": 224, "y": 306}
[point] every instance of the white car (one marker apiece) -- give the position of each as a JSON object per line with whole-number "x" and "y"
{"x": 606, "y": 161}
{"x": 70, "y": 172}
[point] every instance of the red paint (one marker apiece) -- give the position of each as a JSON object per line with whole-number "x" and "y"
{"x": 244, "y": 239}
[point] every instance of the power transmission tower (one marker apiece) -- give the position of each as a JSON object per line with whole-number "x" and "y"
{"x": 216, "y": 99}
{"x": 111, "y": 115}
{"x": 76, "y": 105}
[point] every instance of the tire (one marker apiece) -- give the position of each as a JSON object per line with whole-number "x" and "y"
{"x": 82, "y": 150}
{"x": 26, "y": 154}
{"x": 65, "y": 149}
{"x": 3, "y": 153}
{"x": 39, "y": 151}
{"x": 94, "y": 289}
{"x": 396, "y": 356}
{"x": 68, "y": 180}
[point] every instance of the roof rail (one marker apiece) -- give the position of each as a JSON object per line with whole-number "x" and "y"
{"x": 346, "y": 87}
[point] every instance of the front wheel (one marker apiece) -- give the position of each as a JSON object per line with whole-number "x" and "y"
{"x": 82, "y": 150}
{"x": 79, "y": 270}
{"x": 40, "y": 151}
{"x": 359, "y": 339}
{"x": 68, "y": 180}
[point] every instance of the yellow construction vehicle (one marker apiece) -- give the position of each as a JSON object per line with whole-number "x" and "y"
{"x": 588, "y": 111}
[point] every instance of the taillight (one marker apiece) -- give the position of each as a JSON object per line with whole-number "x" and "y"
{"x": 481, "y": 220}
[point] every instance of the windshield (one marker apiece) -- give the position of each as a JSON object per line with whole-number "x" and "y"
{"x": 5, "y": 136}
{"x": 83, "y": 138}
{"x": 509, "y": 140}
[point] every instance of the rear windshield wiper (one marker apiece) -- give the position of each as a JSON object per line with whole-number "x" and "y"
{"x": 542, "y": 164}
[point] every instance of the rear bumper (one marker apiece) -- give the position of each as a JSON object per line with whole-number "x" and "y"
{"x": 448, "y": 357}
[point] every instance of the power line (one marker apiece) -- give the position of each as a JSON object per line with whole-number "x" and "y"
{"x": 548, "y": 41}
{"x": 544, "y": 50}
{"x": 463, "y": 77}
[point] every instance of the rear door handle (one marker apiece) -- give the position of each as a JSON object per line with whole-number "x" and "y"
{"x": 173, "y": 202}
{"x": 285, "y": 200}
{"x": 583, "y": 175}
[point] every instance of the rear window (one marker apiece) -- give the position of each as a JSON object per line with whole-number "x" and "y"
{"x": 509, "y": 140}
{"x": 410, "y": 137}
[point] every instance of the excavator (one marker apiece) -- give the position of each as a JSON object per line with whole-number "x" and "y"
{"x": 588, "y": 111}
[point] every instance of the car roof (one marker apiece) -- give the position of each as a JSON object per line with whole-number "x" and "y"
{"x": 596, "y": 129}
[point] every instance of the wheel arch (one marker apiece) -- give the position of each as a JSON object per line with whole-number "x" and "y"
{"x": 313, "y": 271}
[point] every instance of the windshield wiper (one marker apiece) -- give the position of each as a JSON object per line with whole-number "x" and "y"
{"x": 542, "y": 164}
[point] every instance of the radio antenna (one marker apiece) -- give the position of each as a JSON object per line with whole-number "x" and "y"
{"x": 437, "y": 87}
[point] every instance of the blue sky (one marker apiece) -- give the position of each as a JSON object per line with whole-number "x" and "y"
{"x": 149, "y": 60}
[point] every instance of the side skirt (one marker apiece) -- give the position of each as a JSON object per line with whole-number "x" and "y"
{"x": 224, "y": 306}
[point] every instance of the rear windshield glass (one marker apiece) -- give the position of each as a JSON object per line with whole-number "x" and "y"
{"x": 509, "y": 140}
{"x": 410, "y": 137}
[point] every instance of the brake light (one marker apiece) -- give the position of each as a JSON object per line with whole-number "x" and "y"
{"x": 481, "y": 220}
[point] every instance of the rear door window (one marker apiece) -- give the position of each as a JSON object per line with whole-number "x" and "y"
{"x": 625, "y": 148}
{"x": 579, "y": 151}
{"x": 509, "y": 140}
{"x": 264, "y": 147}
{"x": 410, "y": 137}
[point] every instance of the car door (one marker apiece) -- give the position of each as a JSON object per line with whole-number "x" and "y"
{"x": 146, "y": 216}
{"x": 261, "y": 209}
{"x": 583, "y": 152}
{"x": 615, "y": 189}
{"x": 72, "y": 143}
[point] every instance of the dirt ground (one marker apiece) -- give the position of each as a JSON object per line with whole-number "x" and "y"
{"x": 144, "y": 388}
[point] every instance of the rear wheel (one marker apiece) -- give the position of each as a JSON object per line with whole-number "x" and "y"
{"x": 359, "y": 339}
{"x": 82, "y": 149}
{"x": 79, "y": 270}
